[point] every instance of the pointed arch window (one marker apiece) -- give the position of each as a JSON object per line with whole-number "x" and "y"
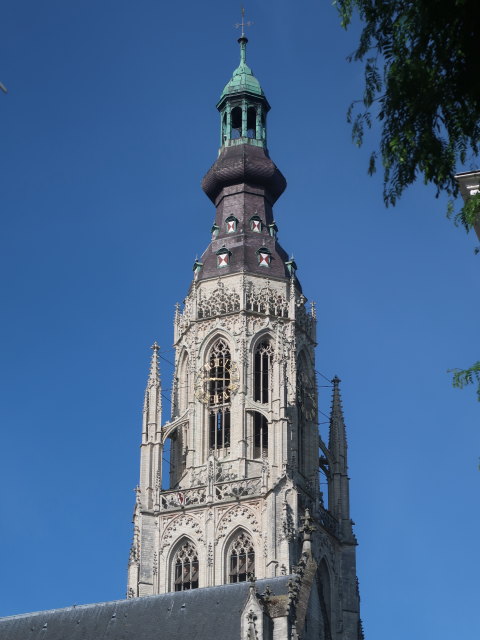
{"x": 262, "y": 371}
{"x": 186, "y": 568}
{"x": 260, "y": 435}
{"x": 241, "y": 558}
{"x": 324, "y": 593}
{"x": 219, "y": 395}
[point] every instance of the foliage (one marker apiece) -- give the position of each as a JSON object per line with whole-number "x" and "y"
{"x": 463, "y": 377}
{"x": 422, "y": 66}
{"x": 421, "y": 82}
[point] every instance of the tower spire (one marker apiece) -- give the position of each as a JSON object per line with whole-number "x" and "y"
{"x": 151, "y": 431}
{"x": 339, "y": 494}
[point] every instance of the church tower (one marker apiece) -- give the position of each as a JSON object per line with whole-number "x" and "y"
{"x": 245, "y": 455}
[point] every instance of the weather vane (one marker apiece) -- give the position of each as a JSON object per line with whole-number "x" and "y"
{"x": 243, "y": 24}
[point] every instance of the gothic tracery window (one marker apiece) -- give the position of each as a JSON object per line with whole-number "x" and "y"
{"x": 260, "y": 435}
{"x": 186, "y": 567}
{"x": 241, "y": 558}
{"x": 219, "y": 393}
{"x": 262, "y": 371}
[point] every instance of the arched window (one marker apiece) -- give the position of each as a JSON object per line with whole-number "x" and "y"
{"x": 241, "y": 558}
{"x": 251, "y": 122}
{"x": 324, "y": 593}
{"x": 186, "y": 567}
{"x": 260, "y": 435}
{"x": 219, "y": 393}
{"x": 182, "y": 385}
{"x": 261, "y": 371}
{"x": 236, "y": 128}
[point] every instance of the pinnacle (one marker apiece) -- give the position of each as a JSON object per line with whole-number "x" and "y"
{"x": 154, "y": 377}
{"x": 337, "y": 435}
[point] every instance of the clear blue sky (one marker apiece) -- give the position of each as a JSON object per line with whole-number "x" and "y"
{"x": 106, "y": 132}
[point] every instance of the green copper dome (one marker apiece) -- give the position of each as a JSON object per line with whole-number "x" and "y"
{"x": 243, "y": 78}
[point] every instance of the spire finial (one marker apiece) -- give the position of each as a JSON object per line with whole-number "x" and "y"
{"x": 243, "y": 24}
{"x": 243, "y": 38}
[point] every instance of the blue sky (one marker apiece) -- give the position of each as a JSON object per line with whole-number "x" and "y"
{"x": 106, "y": 132}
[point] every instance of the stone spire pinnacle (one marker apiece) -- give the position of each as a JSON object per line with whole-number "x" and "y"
{"x": 152, "y": 406}
{"x": 154, "y": 377}
{"x": 338, "y": 497}
{"x": 337, "y": 441}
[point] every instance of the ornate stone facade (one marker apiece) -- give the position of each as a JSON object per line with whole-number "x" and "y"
{"x": 243, "y": 439}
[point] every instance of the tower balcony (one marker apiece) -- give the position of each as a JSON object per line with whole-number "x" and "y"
{"x": 214, "y": 492}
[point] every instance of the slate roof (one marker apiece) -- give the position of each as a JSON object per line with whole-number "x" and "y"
{"x": 201, "y": 614}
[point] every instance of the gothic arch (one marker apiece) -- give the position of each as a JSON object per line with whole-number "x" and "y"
{"x": 237, "y": 568}
{"x": 240, "y": 517}
{"x": 263, "y": 334}
{"x": 258, "y": 427}
{"x": 193, "y": 554}
{"x": 262, "y": 368}
{"x": 183, "y": 525}
{"x": 183, "y": 382}
{"x": 324, "y": 587}
{"x": 218, "y": 333}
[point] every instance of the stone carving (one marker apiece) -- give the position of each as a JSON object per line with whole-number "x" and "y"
{"x": 210, "y": 555}
{"x": 224, "y": 473}
{"x": 155, "y": 563}
{"x": 288, "y": 525}
{"x": 267, "y": 301}
{"x": 180, "y": 524}
{"x": 304, "y": 319}
{"x": 250, "y": 487}
{"x": 182, "y": 498}
{"x": 251, "y": 626}
{"x": 240, "y": 513}
{"x": 198, "y": 477}
{"x": 222, "y": 300}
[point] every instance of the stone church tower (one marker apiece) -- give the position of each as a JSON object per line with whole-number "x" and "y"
{"x": 244, "y": 447}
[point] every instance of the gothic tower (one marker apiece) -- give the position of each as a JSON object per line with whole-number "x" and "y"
{"x": 244, "y": 448}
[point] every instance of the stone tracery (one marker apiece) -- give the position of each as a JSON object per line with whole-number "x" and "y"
{"x": 222, "y": 300}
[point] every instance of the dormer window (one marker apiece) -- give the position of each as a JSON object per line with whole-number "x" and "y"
{"x": 291, "y": 266}
{"x": 223, "y": 257}
{"x": 273, "y": 229}
{"x": 264, "y": 257}
{"x": 256, "y": 224}
{"x": 197, "y": 265}
{"x": 215, "y": 231}
{"x": 231, "y": 224}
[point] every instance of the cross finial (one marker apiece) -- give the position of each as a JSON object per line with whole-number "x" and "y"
{"x": 243, "y": 24}
{"x": 155, "y": 347}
